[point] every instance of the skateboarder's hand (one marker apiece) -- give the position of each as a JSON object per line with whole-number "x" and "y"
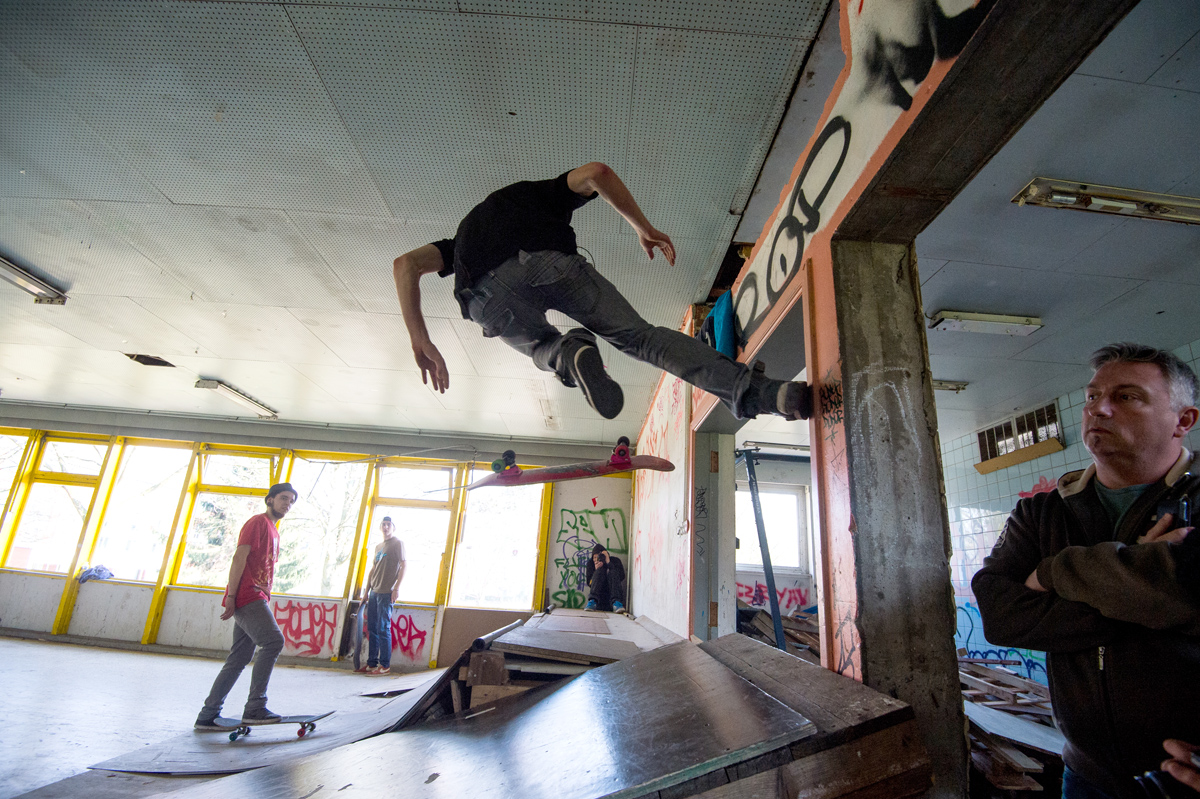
{"x": 230, "y": 608}
{"x": 432, "y": 366}
{"x": 652, "y": 238}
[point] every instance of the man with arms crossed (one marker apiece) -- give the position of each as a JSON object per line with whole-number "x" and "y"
{"x": 247, "y": 601}
{"x": 380, "y": 593}
{"x": 514, "y": 257}
{"x": 1090, "y": 574}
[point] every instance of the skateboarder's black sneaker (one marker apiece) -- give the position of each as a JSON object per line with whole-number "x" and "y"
{"x": 794, "y": 400}
{"x": 587, "y": 369}
{"x": 260, "y": 716}
{"x": 208, "y": 724}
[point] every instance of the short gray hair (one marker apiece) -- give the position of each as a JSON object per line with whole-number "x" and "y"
{"x": 1181, "y": 380}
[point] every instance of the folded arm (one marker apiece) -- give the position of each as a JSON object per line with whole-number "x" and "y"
{"x": 407, "y": 271}
{"x": 1015, "y": 615}
{"x": 599, "y": 178}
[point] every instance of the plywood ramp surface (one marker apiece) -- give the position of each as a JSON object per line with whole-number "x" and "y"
{"x": 214, "y": 753}
{"x": 568, "y": 647}
{"x": 628, "y": 729}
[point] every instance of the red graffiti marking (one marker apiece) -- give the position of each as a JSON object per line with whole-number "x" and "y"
{"x": 307, "y": 626}
{"x": 406, "y": 636}
{"x": 1042, "y": 486}
{"x": 757, "y": 596}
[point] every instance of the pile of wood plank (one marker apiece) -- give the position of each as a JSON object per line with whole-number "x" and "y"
{"x": 800, "y": 629}
{"x": 1011, "y": 721}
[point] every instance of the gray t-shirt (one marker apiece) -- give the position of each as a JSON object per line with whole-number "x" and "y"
{"x": 1117, "y": 501}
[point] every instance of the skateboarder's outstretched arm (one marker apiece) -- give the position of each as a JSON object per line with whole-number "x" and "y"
{"x": 407, "y": 271}
{"x": 598, "y": 177}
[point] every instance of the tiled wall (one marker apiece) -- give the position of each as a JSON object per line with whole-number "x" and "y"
{"x": 980, "y": 503}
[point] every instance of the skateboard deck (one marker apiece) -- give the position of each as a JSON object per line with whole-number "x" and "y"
{"x": 356, "y": 638}
{"x": 238, "y": 728}
{"x": 507, "y": 473}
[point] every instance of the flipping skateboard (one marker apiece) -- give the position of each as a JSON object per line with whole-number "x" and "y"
{"x": 508, "y": 473}
{"x": 240, "y": 728}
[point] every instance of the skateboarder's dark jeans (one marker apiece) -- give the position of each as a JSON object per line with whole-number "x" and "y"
{"x": 606, "y": 588}
{"x": 379, "y": 630}
{"x": 511, "y": 302}
{"x": 253, "y": 626}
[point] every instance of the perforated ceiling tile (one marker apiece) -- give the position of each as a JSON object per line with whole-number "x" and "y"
{"x": 705, "y": 109}
{"x": 203, "y": 99}
{"x": 23, "y": 322}
{"x": 243, "y": 332}
{"x": 120, "y": 325}
{"x": 71, "y": 248}
{"x": 50, "y": 151}
{"x": 523, "y": 426}
{"x": 448, "y": 107}
{"x": 485, "y": 423}
{"x": 372, "y": 386}
{"x": 380, "y": 341}
{"x": 360, "y": 251}
{"x": 786, "y": 18}
{"x": 229, "y": 254}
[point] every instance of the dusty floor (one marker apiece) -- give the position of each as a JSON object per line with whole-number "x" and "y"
{"x": 68, "y": 706}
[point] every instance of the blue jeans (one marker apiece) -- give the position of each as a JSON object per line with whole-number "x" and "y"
{"x": 1076, "y": 787}
{"x": 379, "y": 630}
{"x": 510, "y": 302}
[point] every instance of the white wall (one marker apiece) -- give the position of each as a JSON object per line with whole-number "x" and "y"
{"x": 114, "y": 610}
{"x": 29, "y": 601}
{"x": 585, "y": 513}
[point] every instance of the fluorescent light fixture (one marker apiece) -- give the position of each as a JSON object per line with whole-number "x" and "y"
{"x": 1053, "y": 193}
{"x": 949, "y": 385}
{"x": 229, "y": 392}
{"x": 965, "y": 322}
{"x": 43, "y": 293}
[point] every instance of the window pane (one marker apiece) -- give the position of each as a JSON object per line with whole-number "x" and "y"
{"x": 236, "y": 470}
{"x": 316, "y": 536}
{"x": 496, "y": 561}
{"x": 781, "y": 518}
{"x": 424, "y": 532}
{"x": 11, "y": 448}
{"x": 72, "y": 457}
{"x": 138, "y": 520}
{"x": 212, "y": 537}
{"x": 415, "y": 483}
{"x": 50, "y": 528}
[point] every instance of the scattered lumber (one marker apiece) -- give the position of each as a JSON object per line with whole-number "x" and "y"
{"x": 800, "y": 630}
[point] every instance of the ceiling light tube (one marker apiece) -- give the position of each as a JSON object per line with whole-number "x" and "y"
{"x": 43, "y": 293}
{"x": 229, "y": 392}
{"x": 950, "y": 385}
{"x": 967, "y": 322}
{"x": 1077, "y": 196}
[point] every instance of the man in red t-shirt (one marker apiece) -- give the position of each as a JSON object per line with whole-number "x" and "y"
{"x": 247, "y": 601}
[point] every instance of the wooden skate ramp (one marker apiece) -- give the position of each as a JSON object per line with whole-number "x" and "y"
{"x": 631, "y": 728}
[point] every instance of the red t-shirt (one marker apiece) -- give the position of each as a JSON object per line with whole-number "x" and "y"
{"x": 260, "y": 535}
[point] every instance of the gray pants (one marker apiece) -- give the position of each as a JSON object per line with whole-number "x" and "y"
{"x": 253, "y": 625}
{"x": 510, "y": 302}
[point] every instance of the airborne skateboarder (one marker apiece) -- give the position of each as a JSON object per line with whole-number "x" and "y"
{"x": 514, "y": 257}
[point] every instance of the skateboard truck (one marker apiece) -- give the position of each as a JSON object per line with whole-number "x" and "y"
{"x": 620, "y": 456}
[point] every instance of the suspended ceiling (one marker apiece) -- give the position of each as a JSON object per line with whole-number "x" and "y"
{"x": 225, "y": 185}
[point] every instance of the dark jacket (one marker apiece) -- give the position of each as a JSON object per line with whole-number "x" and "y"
{"x": 1119, "y": 629}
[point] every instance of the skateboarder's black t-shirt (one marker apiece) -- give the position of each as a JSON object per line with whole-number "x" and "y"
{"x": 531, "y": 215}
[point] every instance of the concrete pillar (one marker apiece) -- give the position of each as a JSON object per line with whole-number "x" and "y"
{"x": 900, "y": 530}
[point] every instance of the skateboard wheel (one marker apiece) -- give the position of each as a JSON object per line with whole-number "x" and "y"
{"x": 621, "y": 452}
{"x": 233, "y": 736}
{"x": 623, "y": 440}
{"x": 300, "y": 732}
{"x": 497, "y": 465}
{"x": 509, "y": 457}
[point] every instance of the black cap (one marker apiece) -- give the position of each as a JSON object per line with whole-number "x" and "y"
{"x": 279, "y": 488}
{"x": 386, "y": 519}
{"x": 596, "y": 550}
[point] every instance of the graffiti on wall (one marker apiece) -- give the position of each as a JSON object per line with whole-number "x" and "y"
{"x": 660, "y": 578}
{"x": 890, "y": 50}
{"x": 790, "y": 597}
{"x": 407, "y": 637}
{"x": 969, "y": 635}
{"x": 1042, "y": 486}
{"x": 307, "y": 627}
{"x": 578, "y": 531}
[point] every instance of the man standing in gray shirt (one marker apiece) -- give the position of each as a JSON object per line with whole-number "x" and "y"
{"x": 380, "y": 593}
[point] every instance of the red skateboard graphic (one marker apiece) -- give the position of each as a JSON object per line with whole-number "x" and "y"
{"x": 508, "y": 473}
